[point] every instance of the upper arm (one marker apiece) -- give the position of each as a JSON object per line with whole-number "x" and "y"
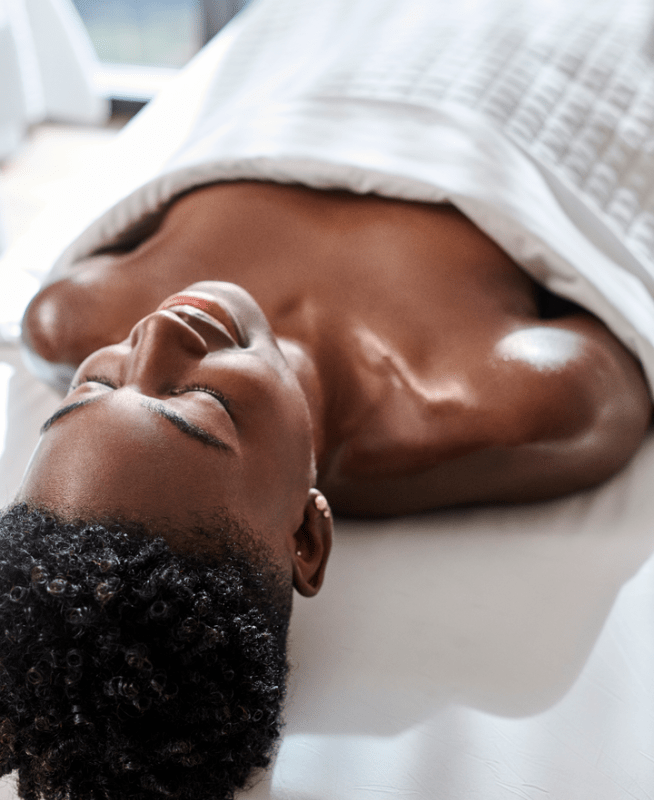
{"x": 43, "y": 334}
{"x": 95, "y": 305}
{"x": 575, "y": 382}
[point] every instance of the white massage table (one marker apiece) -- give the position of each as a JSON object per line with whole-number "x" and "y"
{"x": 485, "y": 654}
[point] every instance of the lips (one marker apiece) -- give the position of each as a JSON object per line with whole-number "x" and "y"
{"x": 201, "y": 306}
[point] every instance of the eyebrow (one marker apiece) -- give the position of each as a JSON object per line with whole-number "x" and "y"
{"x": 182, "y": 424}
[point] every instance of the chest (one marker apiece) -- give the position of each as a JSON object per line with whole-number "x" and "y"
{"x": 394, "y": 300}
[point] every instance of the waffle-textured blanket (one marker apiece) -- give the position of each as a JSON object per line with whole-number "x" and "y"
{"x": 534, "y": 117}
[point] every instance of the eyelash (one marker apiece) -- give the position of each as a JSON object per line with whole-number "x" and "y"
{"x": 194, "y": 387}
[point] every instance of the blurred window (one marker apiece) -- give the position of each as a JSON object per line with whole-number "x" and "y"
{"x": 154, "y": 33}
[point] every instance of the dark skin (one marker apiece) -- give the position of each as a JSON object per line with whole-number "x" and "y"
{"x": 417, "y": 370}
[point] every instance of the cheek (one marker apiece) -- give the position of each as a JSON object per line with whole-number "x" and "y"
{"x": 289, "y": 442}
{"x": 274, "y": 420}
{"x": 278, "y": 413}
{"x": 104, "y": 362}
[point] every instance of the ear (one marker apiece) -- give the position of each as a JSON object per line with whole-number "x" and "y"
{"x": 312, "y": 543}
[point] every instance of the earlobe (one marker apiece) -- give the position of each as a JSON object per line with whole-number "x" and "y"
{"x": 312, "y": 544}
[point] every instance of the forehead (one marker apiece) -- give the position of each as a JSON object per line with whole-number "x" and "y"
{"x": 116, "y": 455}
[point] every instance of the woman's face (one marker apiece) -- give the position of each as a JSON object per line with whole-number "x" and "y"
{"x": 197, "y": 409}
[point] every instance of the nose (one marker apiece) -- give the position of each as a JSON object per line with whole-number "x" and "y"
{"x": 162, "y": 346}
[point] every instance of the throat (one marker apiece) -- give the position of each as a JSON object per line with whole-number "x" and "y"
{"x": 395, "y": 418}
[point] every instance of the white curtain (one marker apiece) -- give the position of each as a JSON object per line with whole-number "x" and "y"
{"x": 47, "y": 66}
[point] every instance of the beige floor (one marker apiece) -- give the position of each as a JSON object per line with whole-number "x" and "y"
{"x": 49, "y": 154}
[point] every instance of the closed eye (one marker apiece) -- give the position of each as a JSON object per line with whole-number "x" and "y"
{"x": 203, "y": 388}
{"x": 92, "y": 379}
{"x": 195, "y": 387}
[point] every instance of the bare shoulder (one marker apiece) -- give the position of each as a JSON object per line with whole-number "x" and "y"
{"x": 95, "y": 303}
{"x": 560, "y": 405}
{"x": 577, "y": 369}
{"x": 591, "y": 403}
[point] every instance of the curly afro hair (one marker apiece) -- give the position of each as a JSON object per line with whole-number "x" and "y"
{"x": 130, "y": 670}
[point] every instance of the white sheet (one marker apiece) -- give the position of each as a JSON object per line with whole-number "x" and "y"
{"x": 534, "y": 117}
{"x": 490, "y": 653}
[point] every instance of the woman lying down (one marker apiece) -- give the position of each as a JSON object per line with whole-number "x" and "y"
{"x": 247, "y": 361}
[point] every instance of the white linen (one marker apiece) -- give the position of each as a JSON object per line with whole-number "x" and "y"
{"x": 461, "y": 654}
{"x": 534, "y": 118}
